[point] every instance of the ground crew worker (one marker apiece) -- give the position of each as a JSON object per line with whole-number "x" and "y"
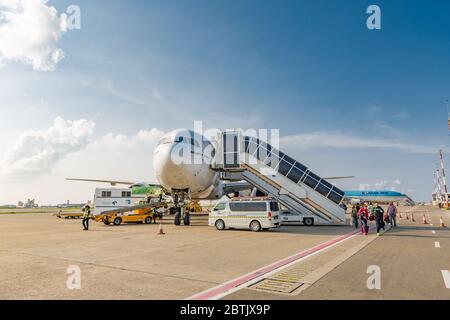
{"x": 86, "y": 217}
{"x": 355, "y": 210}
{"x": 379, "y": 216}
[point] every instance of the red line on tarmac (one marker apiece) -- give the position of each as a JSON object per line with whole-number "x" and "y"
{"x": 220, "y": 289}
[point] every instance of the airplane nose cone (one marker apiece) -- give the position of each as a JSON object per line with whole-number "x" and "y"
{"x": 169, "y": 172}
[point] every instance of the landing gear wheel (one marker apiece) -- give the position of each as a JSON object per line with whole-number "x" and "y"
{"x": 220, "y": 225}
{"x": 117, "y": 221}
{"x": 187, "y": 219}
{"x": 107, "y": 222}
{"x": 148, "y": 220}
{"x": 308, "y": 222}
{"x": 177, "y": 219}
{"x": 255, "y": 226}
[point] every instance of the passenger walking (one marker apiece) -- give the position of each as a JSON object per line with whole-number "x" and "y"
{"x": 379, "y": 217}
{"x": 392, "y": 212}
{"x": 86, "y": 217}
{"x": 371, "y": 209}
{"x": 363, "y": 215}
{"x": 355, "y": 210}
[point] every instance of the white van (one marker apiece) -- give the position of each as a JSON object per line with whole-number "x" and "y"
{"x": 255, "y": 214}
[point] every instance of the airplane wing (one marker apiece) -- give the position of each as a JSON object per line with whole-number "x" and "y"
{"x": 114, "y": 182}
{"x": 231, "y": 187}
{"x": 337, "y": 178}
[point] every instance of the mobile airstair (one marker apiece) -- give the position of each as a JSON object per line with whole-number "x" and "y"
{"x": 280, "y": 176}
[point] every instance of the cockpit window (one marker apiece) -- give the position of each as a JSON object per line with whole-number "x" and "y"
{"x": 165, "y": 140}
{"x": 179, "y": 139}
{"x": 187, "y": 140}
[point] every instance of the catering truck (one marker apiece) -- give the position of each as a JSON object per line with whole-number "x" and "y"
{"x": 107, "y": 199}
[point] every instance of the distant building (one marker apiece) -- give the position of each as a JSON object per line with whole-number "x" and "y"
{"x": 31, "y": 203}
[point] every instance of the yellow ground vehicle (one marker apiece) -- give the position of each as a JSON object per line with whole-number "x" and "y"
{"x": 68, "y": 215}
{"x": 136, "y": 214}
{"x": 194, "y": 206}
{"x": 117, "y": 218}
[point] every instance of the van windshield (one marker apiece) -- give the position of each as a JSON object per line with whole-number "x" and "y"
{"x": 219, "y": 206}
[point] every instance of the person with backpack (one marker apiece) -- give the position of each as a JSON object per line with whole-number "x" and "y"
{"x": 355, "y": 210}
{"x": 363, "y": 215}
{"x": 392, "y": 213}
{"x": 379, "y": 217}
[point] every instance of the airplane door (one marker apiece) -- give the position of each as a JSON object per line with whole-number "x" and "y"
{"x": 231, "y": 150}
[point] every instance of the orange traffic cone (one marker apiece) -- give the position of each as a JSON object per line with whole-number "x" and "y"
{"x": 424, "y": 220}
{"x": 400, "y": 215}
{"x": 412, "y": 218}
{"x": 407, "y": 217}
{"x": 160, "y": 231}
{"x": 441, "y": 223}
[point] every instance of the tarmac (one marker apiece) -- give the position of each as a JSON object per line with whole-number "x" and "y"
{"x": 133, "y": 262}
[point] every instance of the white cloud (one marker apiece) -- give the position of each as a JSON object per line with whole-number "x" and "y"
{"x": 143, "y": 136}
{"x": 381, "y": 185}
{"x": 364, "y": 186}
{"x": 341, "y": 140}
{"x": 29, "y": 32}
{"x": 37, "y": 152}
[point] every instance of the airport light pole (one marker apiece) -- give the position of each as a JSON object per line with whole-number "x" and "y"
{"x": 443, "y": 179}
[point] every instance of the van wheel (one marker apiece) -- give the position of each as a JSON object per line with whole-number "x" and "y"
{"x": 220, "y": 225}
{"x": 308, "y": 222}
{"x": 117, "y": 221}
{"x": 148, "y": 220}
{"x": 255, "y": 226}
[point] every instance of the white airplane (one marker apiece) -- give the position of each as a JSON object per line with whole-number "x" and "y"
{"x": 182, "y": 165}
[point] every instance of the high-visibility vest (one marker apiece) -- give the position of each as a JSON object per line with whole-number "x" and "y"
{"x": 86, "y": 214}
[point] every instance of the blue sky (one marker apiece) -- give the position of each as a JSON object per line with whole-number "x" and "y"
{"x": 371, "y": 102}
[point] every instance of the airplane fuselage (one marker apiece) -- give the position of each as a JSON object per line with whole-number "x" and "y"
{"x": 375, "y": 196}
{"x": 182, "y": 162}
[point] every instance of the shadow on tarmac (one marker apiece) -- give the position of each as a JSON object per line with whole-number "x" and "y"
{"x": 314, "y": 230}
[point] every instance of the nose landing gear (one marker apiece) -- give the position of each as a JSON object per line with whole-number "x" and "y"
{"x": 179, "y": 211}
{"x": 181, "y": 215}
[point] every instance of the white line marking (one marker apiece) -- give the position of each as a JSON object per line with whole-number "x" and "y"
{"x": 431, "y": 224}
{"x": 437, "y": 244}
{"x": 222, "y": 291}
{"x": 432, "y": 231}
{"x": 446, "y": 276}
